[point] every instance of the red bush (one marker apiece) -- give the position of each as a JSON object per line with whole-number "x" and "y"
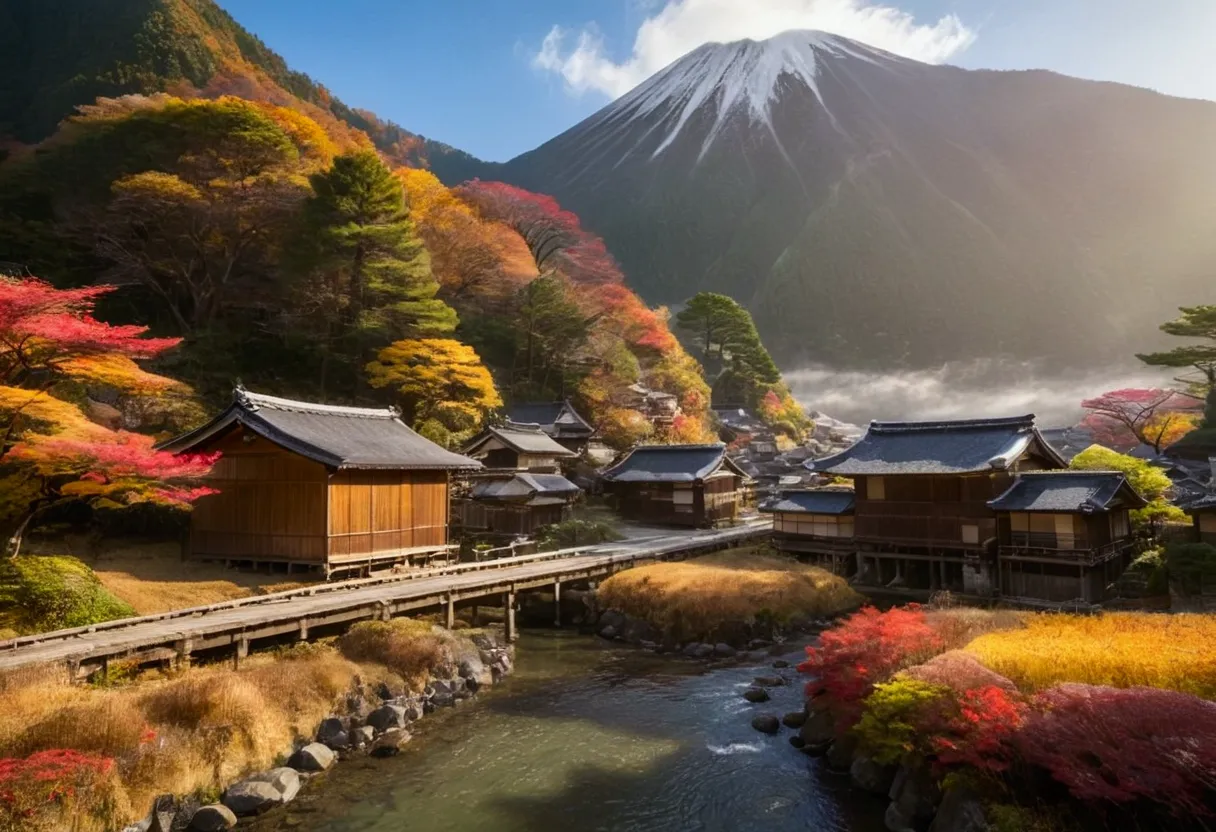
{"x": 1120, "y": 746}
{"x": 867, "y": 648}
{"x": 977, "y": 732}
{"x": 47, "y": 780}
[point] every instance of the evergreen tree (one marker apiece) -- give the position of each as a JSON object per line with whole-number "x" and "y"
{"x": 728, "y": 342}
{"x": 551, "y": 330}
{"x": 375, "y": 284}
{"x": 1195, "y": 322}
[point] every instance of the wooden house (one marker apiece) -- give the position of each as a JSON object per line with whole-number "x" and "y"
{"x": 1064, "y": 536}
{"x": 816, "y": 525}
{"x": 318, "y": 486}
{"x": 921, "y": 518}
{"x": 1203, "y": 516}
{"x": 678, "y": 485}
{"x": 559, "y": 420}
{"x": 515, "y": 504}
{"x": 518, "y": 447}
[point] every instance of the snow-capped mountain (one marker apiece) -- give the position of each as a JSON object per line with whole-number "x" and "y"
{"x": 871, "y": 209}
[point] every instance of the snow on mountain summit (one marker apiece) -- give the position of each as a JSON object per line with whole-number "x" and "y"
{"x": 741, "y": 76}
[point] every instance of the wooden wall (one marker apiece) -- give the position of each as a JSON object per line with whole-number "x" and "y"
{"x": 939, "y": 511}
{"x": 703, "y": 504}
{"x": 271, "y": 504}
{"x": 383, "y": 511}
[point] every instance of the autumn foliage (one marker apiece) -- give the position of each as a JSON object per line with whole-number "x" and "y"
{"x": 45, "y": 789}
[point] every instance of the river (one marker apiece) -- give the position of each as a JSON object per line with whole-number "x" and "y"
{"x": 592, "y": 736}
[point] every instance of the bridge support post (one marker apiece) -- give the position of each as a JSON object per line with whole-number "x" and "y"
{"x": 476, "y": 615}
{"x": 242, "y": 651}
{"x": 557, "y": 603}
{"x": 450, "y": 618}
{"x": 183, "y": 647}
{"x": 510, "y": 616}
{"x": 303, "y": 634}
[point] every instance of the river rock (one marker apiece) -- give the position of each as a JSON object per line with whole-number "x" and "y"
{"x": 818, "y": 729}
{"x": 363, "y": 737}
{"x": 871, "y": 776}
{"x": 768, "y": 681}
{"x": 387, "y": 717}
{"x": 649, "y": 645}
{"x": 759, "y": 644}
{"x": 475, "y": 673}
{"x": 781, "y": 664}
{"x": 797, "y": 742}
{"x": 613, "y": 619}
{"x": 961, "y": 811}
{"x": 766, "y": 724}
{"x": 390, "y": 743}
{"x": 914, "y": 798}
{"x": 608, "y": 632}
{"x": 329, "y": 729}
{"x": 794, "y": 719}
{"x": 638, "y": 629}
{"x": 724, "y": 650}
{"x": 214, "y": 818}
{"x": 756, "y": 695}
{"x": 313, "y": 757}
{"x": 251, "y": 797}
{"x": 840, "y": 755}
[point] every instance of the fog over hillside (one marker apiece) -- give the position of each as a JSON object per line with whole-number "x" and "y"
{"x": 960, "y": 390}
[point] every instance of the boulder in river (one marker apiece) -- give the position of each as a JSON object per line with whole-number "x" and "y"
{"x": 390, "y": 743}
{"x": 262, "y": 792}
{"x": 213, "y": 818}
{"x": 840, "y": 754}
{"x": 387, "y": 717}
{"x": 914, "y": 798}
{"x": 818, "y": 729}
{"x": 608, "y": 632}
{"x": 313, "y": 757}
{"x": 756, "y": 695}
{"x": 781, "y": 664}
{"x": 768, "y": 681}
{"x": 794, "y": 719}
{"x": 724, "y": 650}
{"x": 766, "y": 724}
{"x": 960, "y": 811}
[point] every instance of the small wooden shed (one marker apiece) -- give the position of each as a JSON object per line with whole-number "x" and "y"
{"x": 518, "y": 447}
{"x": 678, "y": 485}
{"x": 318, "y": 486}
{"x": 517, "y": 503}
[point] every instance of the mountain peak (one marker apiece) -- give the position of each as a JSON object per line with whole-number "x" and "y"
{"x": 743, "y": 76}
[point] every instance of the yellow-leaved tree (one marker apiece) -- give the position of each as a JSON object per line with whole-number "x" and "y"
{"x": 443, "y": 388}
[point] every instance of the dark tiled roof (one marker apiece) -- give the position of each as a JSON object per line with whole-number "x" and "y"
{"x": 812, "y": 502}
{"x": 523, "y": 487}
{"x": 1067, "y": 491}
{"x": 524, "y": 439}
{"x": 1207, "y": 501}
{"x": 555, "y": 418}
{"x": 670, "y": 463}
{"x": 959, "y": 447}
{"x": 339, "y": 437}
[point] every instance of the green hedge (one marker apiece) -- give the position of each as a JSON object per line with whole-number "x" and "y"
{"x": 41, "y": 593}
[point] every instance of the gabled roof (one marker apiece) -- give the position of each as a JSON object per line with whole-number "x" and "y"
{"x": 524, "y": 439}
{"x": 812, "y": 501}
{"x": 1068, "y": 491}
{"x": 1204, "y": 503}
{"x": 671, "y": 463}
{"x": 555, "y": 418}
{"x": 525, "y": 488}
{"x": 959, "y": 447}
{"x": 338, "y": 437}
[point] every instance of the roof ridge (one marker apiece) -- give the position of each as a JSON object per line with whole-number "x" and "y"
{"x": 255, "y": 401}
{"x": 1071, "y": 472}
{"x": 718, "y": 446}
{"x": 948, "y": 424}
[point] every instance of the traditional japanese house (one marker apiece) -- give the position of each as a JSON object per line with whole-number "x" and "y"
{"x": 921, "y": 519}
{"x": 679, "y": 485}
{"x": 515, "y": 504}
{"x": 559, "y": 420}
{"x": 317, "y": 486}
{"x": 518, "y": 447}
{"x": 1064, "y": 536}
{"x": 816, "y": 525}
{"x": 1203, "y": 515}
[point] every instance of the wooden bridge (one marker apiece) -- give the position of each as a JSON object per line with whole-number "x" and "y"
{"x": 237, "y": 625}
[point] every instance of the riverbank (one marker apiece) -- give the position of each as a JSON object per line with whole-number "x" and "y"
{"x": 969, "y": 719}
{"x": 731, "y": 599}
{"x": 100, "y": 754}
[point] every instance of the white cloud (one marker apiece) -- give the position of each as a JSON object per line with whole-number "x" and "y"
{"x": 683, "y": 25}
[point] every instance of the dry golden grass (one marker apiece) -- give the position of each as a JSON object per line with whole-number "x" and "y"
{"x": 408, "y": 648}
{"x": 959, "y": 626}
{"x": 153, "y": 577}
{"x": 1177, "y": 652}
{"x": 698, "y": 599}
{"x": 196, "y": 731}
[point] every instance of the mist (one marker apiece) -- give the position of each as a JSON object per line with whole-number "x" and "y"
{"x": 964, "y": 390}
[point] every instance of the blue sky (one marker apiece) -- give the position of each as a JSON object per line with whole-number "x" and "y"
{"x": 496, "y": 78}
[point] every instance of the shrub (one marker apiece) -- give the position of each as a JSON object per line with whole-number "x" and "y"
{"x": 969, "y": 728}
{"x": 869, "y": 647}
{"x": 1125, "y": 746}
{"x": 52, "y": 593}
{"x": 1191, "y": 567}
{"x": 959, "y": 626}
{"x": 47, "y": 789}
{"x": 407, "y": 647}
{"x": 570, "y": 533}
{"x": 1176, "y": 652}
{"x": 1151, "y": 565}
{"x": 958, "y": 671}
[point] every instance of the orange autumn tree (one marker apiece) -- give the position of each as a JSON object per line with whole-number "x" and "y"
{"x": 52, "y": 352}
{"x": 444, "y": 390}
{"x": 627, "y": 342}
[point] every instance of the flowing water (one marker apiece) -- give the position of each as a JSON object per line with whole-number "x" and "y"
{"x": 590, "y": 736}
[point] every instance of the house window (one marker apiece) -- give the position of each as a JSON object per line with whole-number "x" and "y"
{"x": 1207, "y": 523}
{"x": 1118, "y": 525}
{"x": 876, "y": 488}
{"x": 971, "y": 534}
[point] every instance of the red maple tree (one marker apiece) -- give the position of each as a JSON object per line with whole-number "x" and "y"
{"x": 1123, "y": 419}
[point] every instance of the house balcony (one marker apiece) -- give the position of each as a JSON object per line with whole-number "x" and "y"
{"x": 1049, "y": 548}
